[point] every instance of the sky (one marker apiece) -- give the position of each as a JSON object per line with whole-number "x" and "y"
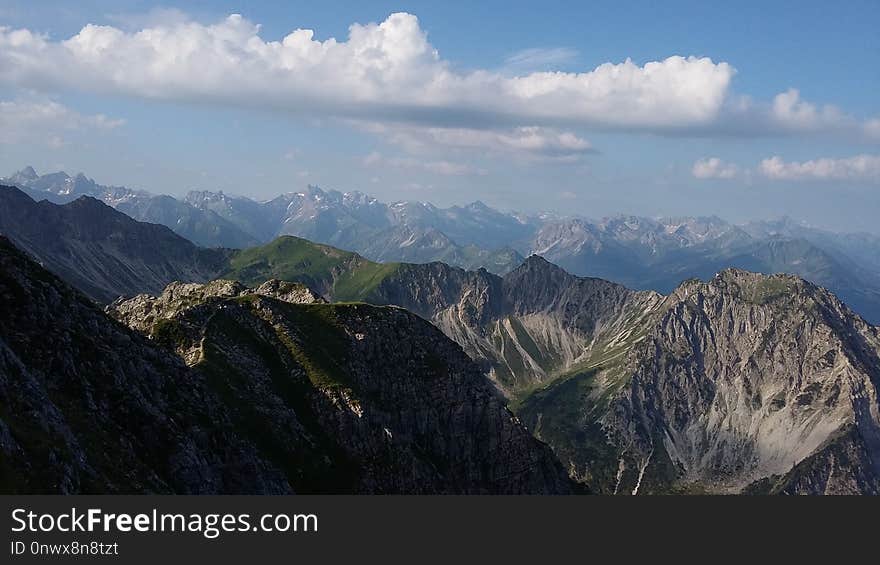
{"x": 746, "y": 110}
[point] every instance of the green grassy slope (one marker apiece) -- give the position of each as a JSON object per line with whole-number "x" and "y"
{"x": 340, "y": 275}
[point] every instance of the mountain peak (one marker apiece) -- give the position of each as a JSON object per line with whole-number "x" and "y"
{"x": 86, "y": 199}
{"x": 478, "y": 205}
{"x": 740, "y": 276}
{"x": 755, "y": 288}
{"x": 27, "y": 173}
{"x": 535, "y": 260}
{"x": 535, "y": 265}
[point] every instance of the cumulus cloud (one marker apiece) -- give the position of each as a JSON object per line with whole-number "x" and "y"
{"x": 787, "y": 114}
{"x": 386, "y": 69}
{"x": 437, "y": 167}
{"x": 389, "y": 72}
{"x": 714, "y": 168}
{"x": 46, "y": 121}
{"x": 857, "y": 168}
{"x": 790, "y": 111}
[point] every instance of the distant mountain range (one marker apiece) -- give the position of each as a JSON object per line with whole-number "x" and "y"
{"x": 741, "y": 382}
{"x": 640, "y": 253}
{"x": 402, "y": 231}
{"x": 644, "y": 253}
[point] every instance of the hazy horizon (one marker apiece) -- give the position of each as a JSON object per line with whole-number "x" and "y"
{"x": 535, "y": 213}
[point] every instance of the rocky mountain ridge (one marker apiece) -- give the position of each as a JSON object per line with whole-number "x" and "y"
{"x": 719, "y": 386}
{"x": 278, "y": 397}
{"x": 742, "y": 380}
{"x": 101, "y": 251}
{"x": 523, "y": 329}
{"x": 644, "y": 253}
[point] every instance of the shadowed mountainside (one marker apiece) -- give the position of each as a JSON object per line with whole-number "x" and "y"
{"x": 240, "y": 390}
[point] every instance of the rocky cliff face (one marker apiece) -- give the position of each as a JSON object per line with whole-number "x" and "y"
{"x": 382, "y": 387}
{"x": 743, "y": 380}
{"x": 528, "y": 327}
{"x": 100, "y": 251}
{"x": 270, "y": 397}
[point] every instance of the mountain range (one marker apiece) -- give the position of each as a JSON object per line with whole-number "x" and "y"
{"x": 265, "y": 390}
{"x": 641, "y": 253}
{"x": 657, "y": 254}
{"x": 741, "y": 383}
{"x": 398, "y": 232}
{"x": 737, "y": 383}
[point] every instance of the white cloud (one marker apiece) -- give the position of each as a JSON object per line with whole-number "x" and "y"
{"x": 46, "y": 121}
{"x": 387, "y": 69}
{"x": 790, "y": 111}
{"x": 714, "y": 168}
{"x": 438, "y": 167}
{"x": 390, "y": 73}
{"x": 787, "y": 114}
{"x": 857, "y": 168}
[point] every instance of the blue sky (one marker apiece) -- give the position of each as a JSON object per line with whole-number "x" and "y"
{"x": 771, "y": 109}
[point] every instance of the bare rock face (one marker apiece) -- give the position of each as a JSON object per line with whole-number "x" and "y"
{"x": 293, "y": 293}
{"x": 144, "y": 311}
{"x": 382, "y": 394}
{"x": 742, "y": 383}
{"x": 743, "y": 380}
{"x": 527, "y": 328}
